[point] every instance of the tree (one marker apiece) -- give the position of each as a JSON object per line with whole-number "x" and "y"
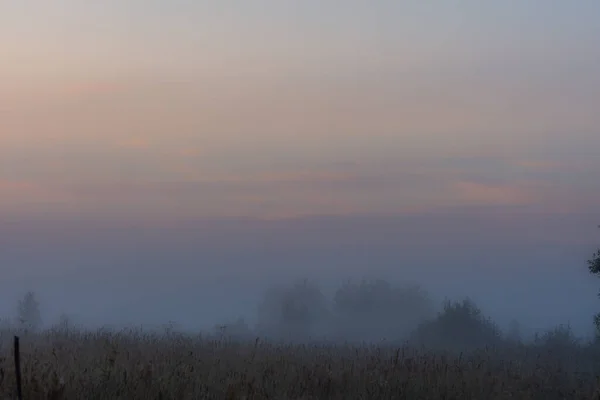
{"x": 558, "y": 338}
{"x": 28, "y": 312}
{"x": 460, "y": 326}
{"x": 594, "y": 267}
{"x": 293, "y": 312}
{"x": 376, "y": 310}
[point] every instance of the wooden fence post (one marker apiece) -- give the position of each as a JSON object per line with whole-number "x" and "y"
{"x": 18, "y": 369}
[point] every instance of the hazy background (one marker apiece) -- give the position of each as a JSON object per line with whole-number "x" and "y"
{"x": 169, "y": 160}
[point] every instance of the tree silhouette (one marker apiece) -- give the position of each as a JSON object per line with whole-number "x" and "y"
{"x": 28, "y": 312}
{"x": 461, "y": 325}
{"x": 594, "y": 267}
{"x": 293, "y": 312}
{"x": 375, "y": 310}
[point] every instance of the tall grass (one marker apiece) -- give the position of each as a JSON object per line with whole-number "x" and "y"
{"x": 132, "y": 364}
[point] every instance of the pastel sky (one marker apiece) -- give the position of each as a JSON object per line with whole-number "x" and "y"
{"x": 280, "y": 108}
{"x": 452, "y": 143}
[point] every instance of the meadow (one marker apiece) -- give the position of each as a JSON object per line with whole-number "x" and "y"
{"x": 132, "y": 364}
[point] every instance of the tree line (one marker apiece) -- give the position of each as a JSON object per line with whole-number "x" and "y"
{"x": 363, "y": 311}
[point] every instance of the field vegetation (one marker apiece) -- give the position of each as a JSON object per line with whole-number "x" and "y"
{"x": 136, "y": 365}
{"x": 456, "y": 354}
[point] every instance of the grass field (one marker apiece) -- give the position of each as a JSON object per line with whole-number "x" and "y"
{"x": 136, "y": 365}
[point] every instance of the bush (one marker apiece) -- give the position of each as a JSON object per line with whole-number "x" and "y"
{"x": 560, "y": 337}
{"x": 459, "y": 326}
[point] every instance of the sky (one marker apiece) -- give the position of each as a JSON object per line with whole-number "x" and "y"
{"x": 165, "y": 112}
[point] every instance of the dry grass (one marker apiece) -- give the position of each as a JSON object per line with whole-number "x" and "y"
{"x": 132, "y": 365}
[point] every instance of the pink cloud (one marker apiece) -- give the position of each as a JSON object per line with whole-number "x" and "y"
{"x": 14, "y": 193}
{"x": 10, "y": 188}
{"x": 488, "y": 194}
{"x": 191, "y": 174}
{"x": 190, "y": 152}
{"x": 134, "y": 143}
{"x": 93, "y": 87}
{"x": 539, "y": 165}
{"x": 301, "y": 176}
